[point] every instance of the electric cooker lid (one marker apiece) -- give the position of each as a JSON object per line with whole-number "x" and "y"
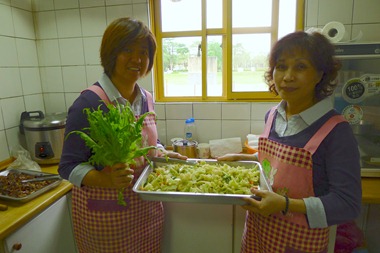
{"x": 52, "y": 120}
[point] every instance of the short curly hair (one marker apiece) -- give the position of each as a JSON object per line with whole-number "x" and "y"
{"x": 321, "y": 53}
{"x": 121, "y": 33}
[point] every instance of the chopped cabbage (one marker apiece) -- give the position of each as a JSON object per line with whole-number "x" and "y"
{"x": 202, "y": 178}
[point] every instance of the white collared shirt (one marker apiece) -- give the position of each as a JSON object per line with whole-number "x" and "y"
{"x": 298, "y": 122}
{"x": 113, "y": 94}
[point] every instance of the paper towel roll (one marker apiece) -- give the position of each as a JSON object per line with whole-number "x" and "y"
{"x": 334, "y": 31}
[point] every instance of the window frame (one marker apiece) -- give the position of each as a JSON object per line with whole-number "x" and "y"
{"x": 226, "y": 32}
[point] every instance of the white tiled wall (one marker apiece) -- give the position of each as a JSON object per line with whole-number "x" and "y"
{"x": 49, "y": 52}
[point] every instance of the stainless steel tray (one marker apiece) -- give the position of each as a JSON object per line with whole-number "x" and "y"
{"x": 31, "y": 196}
{"x": 209, "y": 198}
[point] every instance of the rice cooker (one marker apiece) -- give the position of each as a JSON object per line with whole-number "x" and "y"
{"x": 44, "y": 135}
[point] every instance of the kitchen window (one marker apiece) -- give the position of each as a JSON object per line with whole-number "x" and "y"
{"x": 216, "y": 50}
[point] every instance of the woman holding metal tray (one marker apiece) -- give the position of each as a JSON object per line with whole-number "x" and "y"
{"x": 308, "y": 152}
{"x": 101, "y": 224}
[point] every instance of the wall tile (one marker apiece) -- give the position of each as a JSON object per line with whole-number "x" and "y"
{"x": 327, "y": 11}
{"x": 258, "y": 110}
{"x": 140, "y": 12}
{"x": 118, "y": 2}
{"x": 174, "y": 128}
{"x": 23, "y": 23}
{"x": 6, "y": 21}
{"x": 236, "y": 128}
{"x": 207, "y": 110}
{"x": 236, "y": 110}
{"x": 366, "y": 11}
{"x": 12, "y": 109}
{"x": 74, "y": 78}
{"x": 34, "y": 103}
{"x": 46, "y": 25}
{"x": 208, "y": 130}
{"x": 51, "y": 79}
{"x": 93, "y": 21}
{"x": 91, "y": 3}
{"x": 68, "y": 23}
{"x": 67, "y": 4}
{"x": 8, "y": 52}
{"x": 257, "y": 127}
{"x": 14, "y": 138}
{"x": 370, "y": 32}
{"x": 114, "y": 12}
{"x": 27, "y": 53}
{"x": 93, "y": 74}
{"x": 5, "y": 2}
{"x": 30, "y": 80}
{"x": 160, "y": 111}
{"x": 70, "y": 98}
{"x": 4, "y": 152}
{"x": 311, "y": 13}
{"x": 54, "y": 102}
{"x": 44, "y": 5}
{"x": 91, "y": 50}
{"x": 161, "y": 131}
{"x": 1, "y": 119}
{"x": 147, "y": 82}
{"x": 179, "y": 111}
{"x": 48, "y": 52}
{"x": 71, "y": 51}
{"x": 10, "y": 82}
{"x": 22, "y": 4}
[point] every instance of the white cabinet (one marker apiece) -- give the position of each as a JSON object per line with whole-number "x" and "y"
{"x": 201, "y": 228}
{"x": 50, "y": 231}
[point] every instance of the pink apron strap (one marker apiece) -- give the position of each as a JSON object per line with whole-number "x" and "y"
{"x": 150, "y": 100}
{"x": 269, "y": 123}
{"x": 100, "y": 92}
{"x": 318, "y": 137}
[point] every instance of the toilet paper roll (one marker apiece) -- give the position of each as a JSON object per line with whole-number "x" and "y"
{"x": 334, "y": 31}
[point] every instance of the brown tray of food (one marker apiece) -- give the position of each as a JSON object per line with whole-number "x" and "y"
{"x": 199, "y": 181}
{"x": 13, "y": 188}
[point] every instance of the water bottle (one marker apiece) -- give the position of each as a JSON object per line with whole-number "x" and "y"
{"x": 190, "y": 130}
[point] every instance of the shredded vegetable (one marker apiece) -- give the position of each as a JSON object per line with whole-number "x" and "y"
{"x": 202, "y": 178}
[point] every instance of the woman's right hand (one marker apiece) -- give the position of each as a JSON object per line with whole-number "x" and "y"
{"x": 120, "y": 175}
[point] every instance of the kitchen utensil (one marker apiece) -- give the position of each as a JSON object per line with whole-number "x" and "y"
{"x": 185, "y": 147}
{"x": 44, "y": 135}
{"x": 44, "y": 178}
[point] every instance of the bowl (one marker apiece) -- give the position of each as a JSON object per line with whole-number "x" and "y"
{"x": 250, "y": 150}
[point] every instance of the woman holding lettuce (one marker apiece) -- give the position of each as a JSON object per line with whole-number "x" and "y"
{"x": 101, "y": 224}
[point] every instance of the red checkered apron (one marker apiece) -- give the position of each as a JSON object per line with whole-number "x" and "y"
{"x": 103, "y": 226}
{"x": 290, "y": 174}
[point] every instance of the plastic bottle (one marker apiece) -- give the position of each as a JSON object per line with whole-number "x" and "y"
{"x": 190, "y": 130}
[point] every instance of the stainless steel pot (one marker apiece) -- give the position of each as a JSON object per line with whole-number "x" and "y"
{"x": 185, "y": 147}
{"x": 44, "y": 135}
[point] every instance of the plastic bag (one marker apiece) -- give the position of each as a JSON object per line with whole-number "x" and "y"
{"x": 23, "y": 160}
{"x": 348, "y": 237}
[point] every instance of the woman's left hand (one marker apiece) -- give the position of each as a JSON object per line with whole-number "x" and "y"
{"x": 270, "y": 202}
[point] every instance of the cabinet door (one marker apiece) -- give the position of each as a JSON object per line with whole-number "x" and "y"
{"x": 239, "y": 221}
{"x": 50, "y": 231}
{"x": 201, "y": 228}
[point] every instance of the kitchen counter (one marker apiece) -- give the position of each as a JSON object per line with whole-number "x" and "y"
{"x": 19, "y": 214}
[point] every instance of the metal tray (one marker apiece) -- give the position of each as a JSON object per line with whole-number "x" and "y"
{"x": 34, "y": 194}
{"x": 209, "y": 198}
